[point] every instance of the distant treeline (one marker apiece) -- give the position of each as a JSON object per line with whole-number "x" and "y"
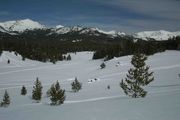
{"x": 129, "y": 47}
{"x": 42, "y": 46}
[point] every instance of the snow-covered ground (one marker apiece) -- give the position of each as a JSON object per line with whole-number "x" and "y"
{"x": 94, "y": 101}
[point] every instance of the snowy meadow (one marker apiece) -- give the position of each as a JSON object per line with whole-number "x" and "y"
{"x": 94, "y": 101}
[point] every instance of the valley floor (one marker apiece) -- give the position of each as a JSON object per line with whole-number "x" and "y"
{"x": 94, "y": 101}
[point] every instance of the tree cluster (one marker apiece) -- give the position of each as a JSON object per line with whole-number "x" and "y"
{"x": 42, "y": 46}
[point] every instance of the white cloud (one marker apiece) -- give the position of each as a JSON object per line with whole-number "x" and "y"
{"x": 153, "y": 14}
{"x": 165, "y": 9}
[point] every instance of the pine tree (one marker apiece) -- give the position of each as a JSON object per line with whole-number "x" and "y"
{"x": 103, "y": 65}
{"x": 23, "y": 58}
{"x": 137, "y": 77}
{"x": 37, "y": 90}
{"x": 69, "y": 57}
{"x": 76, "y": 85}
{"x": 23, "y": 90}
{"x": 8, "y": 62}
{"x": 64, "y": 57}
{"x": 57, "y": 95}
{"x": 108, "y": 87}
{"x": 6, "y": 100}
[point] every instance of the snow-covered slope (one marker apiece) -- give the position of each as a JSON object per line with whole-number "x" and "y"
{"x": 21, "y": 25}
{"x": 94, "y": 101}
{"x": 3, "y": 30}
{"x": 63, "y": 30}
{"x": 157, "y": 35}
{"x": 112, "y": 32}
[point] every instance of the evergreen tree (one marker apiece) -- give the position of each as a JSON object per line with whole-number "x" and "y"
{"x": 69, "y": 57}
{"x": 6, "y": 100}
{"x": 23, "y": 90}
{"x": 76, "y": 85}
{"x": 37, "y": 90}
{"x": 23, "y": 58}
{"x": 64, "y": 57}
{"x": 8, "y": 62}
{"x": 108, "y": 87}
{"x": 137, "y": 77}
{"x": 16, "y": 53}
{"x": 57, "y": 95}
{"x": 103, "y": 65}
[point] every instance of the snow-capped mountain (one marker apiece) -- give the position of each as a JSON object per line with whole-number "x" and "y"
{"x": 20, "y": 25}
{"x": 112, "y": 32}
{"x": 59, "y": 26}
{"x": 157, "y": 35}
{"x": 60, "y": 30}
{"x": 85, "y": 30}
{"x": 63, "y": 30}
{"x": 3, "y": 30}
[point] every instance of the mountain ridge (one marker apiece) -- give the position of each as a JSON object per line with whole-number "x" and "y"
{"x": 157, "y": 35}
{"x": 19, "y": 26}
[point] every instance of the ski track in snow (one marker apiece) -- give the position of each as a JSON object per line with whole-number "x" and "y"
{"x": 166, "y": 67}
{"x": 20, "y": 85}
{"x": 112, "y": 75}
{"x": 79, "y": 101}
{"x": 55, "y": 67}
{"x": 29, "y": 69}
{"x": 158, "y": 86}
{"x": 157, "y": 93}
{"x": 36, "y": 68}
{"x": 66, "y": 80}
{"x": 93, "y": 99}
{"x": 155, "y": 68}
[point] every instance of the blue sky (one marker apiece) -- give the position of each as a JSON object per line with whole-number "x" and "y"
{"x": 122, "y": 15}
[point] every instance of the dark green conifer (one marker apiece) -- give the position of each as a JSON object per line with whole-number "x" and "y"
{"x": 103, "y": 65}
{"x": 69, "y": 57}
{"x": 137, "y": 77}
{"x": 76, "y": 85}
{"x": 37, "y": 90}
{"x": 23, "y": 90}
{"x": 8, "y": 62}
{"x": 57, "y": 95}
{"x": 6, "y": 100}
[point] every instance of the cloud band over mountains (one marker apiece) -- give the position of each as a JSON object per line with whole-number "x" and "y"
{"x": 121, "y": 15}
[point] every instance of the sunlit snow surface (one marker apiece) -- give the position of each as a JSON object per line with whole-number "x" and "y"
{"x": 21, "y": 25}
{"x": 94, "y": 101}
{"x": 156, "y": 35}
